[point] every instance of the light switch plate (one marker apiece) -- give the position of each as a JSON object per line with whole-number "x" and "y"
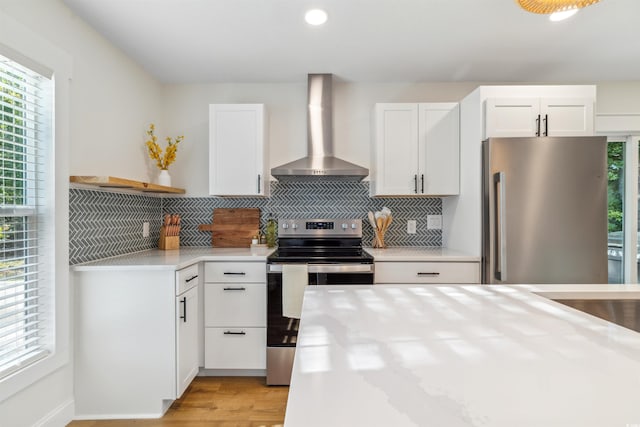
{"x": 145, "y": 229}
{"x": 411, "y": 226}
{"x": 434, "y": 222}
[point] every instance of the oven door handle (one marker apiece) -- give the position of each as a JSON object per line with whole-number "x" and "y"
{"x": 328, "y": 268}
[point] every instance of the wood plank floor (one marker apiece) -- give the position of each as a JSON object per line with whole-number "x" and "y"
{"x": 217, "y": 402}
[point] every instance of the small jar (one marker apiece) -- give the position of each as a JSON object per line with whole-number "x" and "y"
{"x": 263, "y": 239}
{"x": 255, "y": 240}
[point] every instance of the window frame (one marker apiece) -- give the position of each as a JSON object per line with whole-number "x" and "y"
{"x": 25, "y": 47}
{"x": 27, "y": 148}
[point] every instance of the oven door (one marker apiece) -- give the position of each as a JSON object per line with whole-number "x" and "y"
{"x": 282, "y": 332}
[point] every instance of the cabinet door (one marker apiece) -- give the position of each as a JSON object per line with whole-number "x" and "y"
{"x": 237, "y": 152}
{"x": 186, "y": 339}
{"x": 439, "y": 149}
{"x": 567, "y": 116}
{"x": 507, "y": 117}
{"x": 394, "y": 161}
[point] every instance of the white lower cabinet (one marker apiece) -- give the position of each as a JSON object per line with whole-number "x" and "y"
{"x": 133, "y": 354}
{"x": 235, "y": 348}
{"x": 186, "y": 339}
{"x": 427, "y": 272}
{"x": 235, "y": 316}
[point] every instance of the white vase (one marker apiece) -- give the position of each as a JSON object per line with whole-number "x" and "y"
{"x": 164, "y": 178}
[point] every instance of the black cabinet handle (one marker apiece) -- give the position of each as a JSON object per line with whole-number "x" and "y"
{"x": 538, "y": 125}
{"x": 433, "y": 274}
{"x": 415, "y": 184}
{"x": 235, "y": 333}
{"x": 258, "y": 184}
{"x": 234, "y": 289}
{"x": 546, "y": 125}
{"x": 231, "y": 273}
{"x": 191, "y": 278}
{"x": 184, "y": 309}
{"x": 422, "y": 182}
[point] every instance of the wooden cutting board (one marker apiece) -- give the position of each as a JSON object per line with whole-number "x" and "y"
{"x": 233, "y": 228}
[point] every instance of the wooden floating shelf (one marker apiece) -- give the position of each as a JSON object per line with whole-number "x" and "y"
{"x": 113, "y": 182}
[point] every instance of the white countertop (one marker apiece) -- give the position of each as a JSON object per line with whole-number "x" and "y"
{"x": 175, "y": 259}
{"x": 453, "y": 356}
{"x": 420, "y": 254}
{"x": 185, "y": 256}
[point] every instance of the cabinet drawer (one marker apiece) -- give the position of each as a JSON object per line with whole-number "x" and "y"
{"x": 235, "y": 348}
{"x": 187, "y": 278}
{"x": 235, "y": 304}
{"x": 427, "y": 272}
{"x": 235, "y": 272}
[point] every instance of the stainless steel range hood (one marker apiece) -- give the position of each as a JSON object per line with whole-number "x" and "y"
{"x": 320, "y": 162}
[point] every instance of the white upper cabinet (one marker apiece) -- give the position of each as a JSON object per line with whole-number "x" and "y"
{"x": 439, "y": 148}
{"x": 416, "y": 150}
{"x": 514, "y": 117}
{"x": 238, "y": 150}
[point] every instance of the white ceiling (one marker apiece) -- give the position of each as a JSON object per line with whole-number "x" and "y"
{"x": 198, "y": 41}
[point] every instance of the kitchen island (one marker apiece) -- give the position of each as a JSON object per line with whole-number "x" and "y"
{"x": 419, "y": 355}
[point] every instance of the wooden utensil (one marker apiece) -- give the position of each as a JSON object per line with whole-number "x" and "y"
{"x": 372, "y": 221}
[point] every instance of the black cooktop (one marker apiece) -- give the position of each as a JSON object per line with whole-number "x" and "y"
{"x": 327, "y": 251}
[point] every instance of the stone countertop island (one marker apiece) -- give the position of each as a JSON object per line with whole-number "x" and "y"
{"x": 453, "y": 356}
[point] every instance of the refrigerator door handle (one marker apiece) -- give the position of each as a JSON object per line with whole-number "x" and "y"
{"x": 500, "y": 244}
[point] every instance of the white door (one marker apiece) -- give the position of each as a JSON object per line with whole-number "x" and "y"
{"x": 395, "y": 152}
{"x": 186, "y": 339}
{"x": 509, "y": 117}
{"x": 236, "y": 150}
{"x": 567, "y": 116}
{"x": 439, "y": 149}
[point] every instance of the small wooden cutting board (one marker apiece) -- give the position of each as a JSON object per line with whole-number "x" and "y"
{"x": 233, "y": 228}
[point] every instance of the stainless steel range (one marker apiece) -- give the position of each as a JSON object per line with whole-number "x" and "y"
{"x": 332, "y": 251}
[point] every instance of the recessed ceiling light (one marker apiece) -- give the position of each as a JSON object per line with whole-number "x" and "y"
{"x": 563, "y": 14}
{"x": 316, "y": 17}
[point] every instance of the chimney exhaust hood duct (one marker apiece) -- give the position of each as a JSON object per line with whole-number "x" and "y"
{"x": 320, "y": 163}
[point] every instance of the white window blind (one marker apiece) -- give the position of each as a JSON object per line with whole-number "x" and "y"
{"x": 25, "y": 139}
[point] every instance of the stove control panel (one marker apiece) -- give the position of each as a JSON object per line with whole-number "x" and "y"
{"x": 320, "y": 228}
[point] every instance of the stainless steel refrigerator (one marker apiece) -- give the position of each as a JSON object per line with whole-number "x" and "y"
{"x": 544, "y": 210}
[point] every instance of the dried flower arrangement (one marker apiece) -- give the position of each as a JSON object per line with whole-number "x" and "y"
{"x": 155, "y": 152}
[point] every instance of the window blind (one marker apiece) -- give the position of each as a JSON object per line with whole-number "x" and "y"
{"x": 25, "y": 129}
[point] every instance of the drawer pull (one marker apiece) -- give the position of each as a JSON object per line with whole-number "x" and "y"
{"x": 191, "y": 278}
{"x": 428, "y": 274}
{"x": 235, "y": 333}
{"x": 235, "y": 289}
{"x": 230, "y": 273}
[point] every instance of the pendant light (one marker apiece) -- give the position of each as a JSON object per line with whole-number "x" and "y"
{"x": 552, "y": 6}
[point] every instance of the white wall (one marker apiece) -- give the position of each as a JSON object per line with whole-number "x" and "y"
{"x": 102, "y": 115}
{"x": 618, "y": 98}
{"x": 113, "y": 99}
{"x": 187, "y": 106}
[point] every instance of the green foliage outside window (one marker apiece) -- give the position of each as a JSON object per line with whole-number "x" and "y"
{"x": 615, "y": 190}
{"x": 12, "y": 157}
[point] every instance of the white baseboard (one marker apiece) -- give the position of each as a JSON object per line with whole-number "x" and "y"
{"x": 117, "y": 417}
{"x": 58, "y": 417}
{"x": 232, "y": 372}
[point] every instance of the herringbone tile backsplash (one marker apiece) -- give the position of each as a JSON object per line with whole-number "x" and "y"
{"x": 106, "y": 224}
